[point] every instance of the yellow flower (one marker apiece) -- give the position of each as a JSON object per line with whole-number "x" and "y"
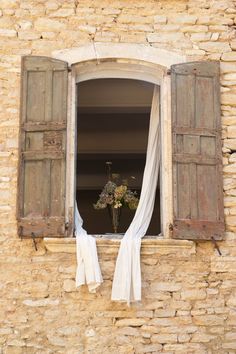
{"x": 120, "y": 192}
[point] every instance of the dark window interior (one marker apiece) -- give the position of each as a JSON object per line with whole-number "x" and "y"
{"x": 112, "y": 125}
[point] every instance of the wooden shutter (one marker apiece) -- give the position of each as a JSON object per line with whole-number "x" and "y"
{"x": 41, "y": 197}
{"x": 197, "y": 151}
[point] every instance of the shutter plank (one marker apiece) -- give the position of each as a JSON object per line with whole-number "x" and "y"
{"x": 43, "y": 147}
{"x": 197, "y": 155}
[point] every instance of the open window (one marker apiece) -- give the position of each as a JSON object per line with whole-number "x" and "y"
{"x": 112, "y": 126}
{"x": 110, "y": 111}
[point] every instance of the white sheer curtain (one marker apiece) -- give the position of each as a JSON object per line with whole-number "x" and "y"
{"x": 127, "y": 278}
{"x": 88, "y": 269}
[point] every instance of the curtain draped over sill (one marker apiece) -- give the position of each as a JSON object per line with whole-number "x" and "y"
{"x": 127, "y": 277}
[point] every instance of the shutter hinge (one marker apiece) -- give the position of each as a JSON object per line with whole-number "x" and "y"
{"x": 168, "y": 72}
{"x": 20, "y": 231}
{"x": 67, "y": 226}
{"x": 34, "y": 242}
{"x": 171, "y": 227}
{"x": 69, "y": 69}
{"x": 216, "y": 246}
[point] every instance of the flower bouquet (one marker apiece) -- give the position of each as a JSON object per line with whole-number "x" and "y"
{"x": 114, "y": 197}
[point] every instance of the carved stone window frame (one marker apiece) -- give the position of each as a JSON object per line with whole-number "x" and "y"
{"x": 130, "y": 61}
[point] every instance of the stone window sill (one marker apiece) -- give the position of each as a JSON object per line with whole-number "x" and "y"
{"x": 108, "y": 245}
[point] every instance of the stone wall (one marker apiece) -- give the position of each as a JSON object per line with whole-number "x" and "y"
{"x": 189, "y": 291}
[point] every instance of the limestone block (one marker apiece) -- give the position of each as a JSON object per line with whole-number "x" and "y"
{"x": 205, "y": 20}
{"x": 184, "y": 19}
{"x": 230, "y": 143}
{"x": 231, "y": 320}
{"x": 230, "y": 56}
{"x": 229, "y": 345}
{"x": 231, "y": 131}
{"x": 229, "y": 99}
{"x": 9, "y": 4}
{"x": 6, "y": 22}
{"x": 7, "y": 33}
{"x": 67, "y": 270}
{"x": 164, "y": 313}
{"x": 28, "y": 35}
{"x": 7, "y": 330}
{"x": 185, "y": 348}
{"x": 41, "y": 302}
{"x": 194, "y": 29}
{"x": 233, "y": 44}
{"x": 90, "y": 332}
{"x": 226, "y": 264}
{"x": 111, "y": 11}
{"x": 174, "y": 321}
{"x": 51, "y": 5}
{"x": 202, "y": 337}
{"x": 25, "y": 25}
{"x": 141, "y": 28}
{"x": 208, "y": 320}
{"x": 180, "y": 305}
{"x": 160, "y": 19}
{"x": 229, "y": 120}
{"x": 129, "y": 331}
{"x": 202, "y": 36}
{"x": 227, "y": 67}
{"x": 184, "y": 338}
{"x": 54, "y": 340}
{"x": 215, "y": 36}
{"x": 133, "y": 322}
{"x": 64, "y": 12}
{"x": 48, "y": 35}
{"x": 46, "y": 24}
{"x": 164, "y": 338}
{"x": 164, "y": 37}
{"x": 215, "y": 47}
{"x": 87, "y": 28}
{"x": 183, "y": 313}
{"x": 144, "y": 314}
{"x": 150, "y": 348}
{"x": 16, "y": 342}
{"x": 232, "y": 301}
{"x": 230, "y": 336}
{"x": 218, "y": 28}
{"x": 193, "y": 294}
{"x": 232, "y": 211}
{"x": 124, "y": 18}
{"x": 153, "y": 305}
{"x": 150, "y": 329}
{"x": 231, "y": 192}
{"x": 165, "y": 286}
{"x": 230, "y": 168}
{"x": 69, "y": 330}
{"x": 69, "y": 285}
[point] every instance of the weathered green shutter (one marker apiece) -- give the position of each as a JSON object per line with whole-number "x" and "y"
{"x": 41, "y": 197}
{"x": 197, "y": 151}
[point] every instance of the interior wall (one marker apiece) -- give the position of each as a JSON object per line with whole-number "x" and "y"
{"x": 112, "y": 125}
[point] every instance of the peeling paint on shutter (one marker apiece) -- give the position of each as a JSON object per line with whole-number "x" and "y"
{"x": 197, "y": 151}
{"x": 42, "y": 168}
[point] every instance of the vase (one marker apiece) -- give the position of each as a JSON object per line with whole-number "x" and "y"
{"x": 114, "y": 214}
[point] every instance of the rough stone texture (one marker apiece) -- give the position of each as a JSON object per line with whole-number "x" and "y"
{"x": 188, "y": 301}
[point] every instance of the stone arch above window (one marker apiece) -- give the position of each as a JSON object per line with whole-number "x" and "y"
{"x": 139, "y": 52}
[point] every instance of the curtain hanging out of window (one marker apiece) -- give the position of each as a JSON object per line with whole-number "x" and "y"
{"x": 127, "y": 277}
